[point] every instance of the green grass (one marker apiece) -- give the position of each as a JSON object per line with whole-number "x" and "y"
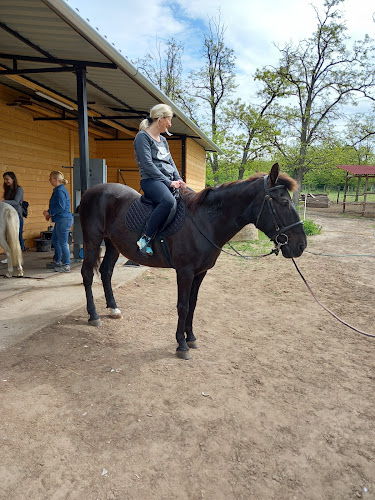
{"x": 257, "y": 247}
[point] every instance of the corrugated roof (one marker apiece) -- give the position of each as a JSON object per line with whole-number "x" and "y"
{"x": 52, "y": 29}
{"x": 359, "y": 169}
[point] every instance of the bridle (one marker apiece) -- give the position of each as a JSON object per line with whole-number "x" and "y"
{"x": 280, "y": 230}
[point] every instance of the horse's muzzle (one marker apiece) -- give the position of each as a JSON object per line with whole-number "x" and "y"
{"x": 289, "y": 251}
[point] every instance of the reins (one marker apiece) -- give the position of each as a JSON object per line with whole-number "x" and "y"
{"x": 326, "y": 308}
{"x": 237, "y": 254}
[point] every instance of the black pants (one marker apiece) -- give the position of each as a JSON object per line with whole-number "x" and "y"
{"x": 161, "y": 195}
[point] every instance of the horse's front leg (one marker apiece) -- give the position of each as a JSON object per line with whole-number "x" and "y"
{"x": 9, "y": 273}
{"x": 184, "y": 282}
{"x": 106, "y": 272}
{"x": 190, "y": 337}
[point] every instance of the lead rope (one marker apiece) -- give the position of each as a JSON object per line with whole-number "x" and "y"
{"x": 326, "y": 308}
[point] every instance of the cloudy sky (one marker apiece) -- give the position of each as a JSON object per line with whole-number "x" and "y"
{"x": 252, "y": 26}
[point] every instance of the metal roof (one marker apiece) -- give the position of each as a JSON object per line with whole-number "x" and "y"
{"x": 359, "y": 169}
{"x": 37, "y": 34}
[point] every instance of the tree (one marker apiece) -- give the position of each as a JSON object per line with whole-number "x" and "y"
{"x": 215, "y": 81}
{"x": 322, "y": 74}
{"x": 251, "y": 127}
{"x": 163, "y": 67}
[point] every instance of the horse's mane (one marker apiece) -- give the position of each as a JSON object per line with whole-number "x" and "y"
{"x": 193, "y": 200}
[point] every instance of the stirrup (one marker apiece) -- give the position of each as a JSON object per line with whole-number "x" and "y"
{"x": 144, "y": 245}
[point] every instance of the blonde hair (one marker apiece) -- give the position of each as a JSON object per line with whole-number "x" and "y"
{"x": 156, "y": 113}
{"x": 56, "y": 174}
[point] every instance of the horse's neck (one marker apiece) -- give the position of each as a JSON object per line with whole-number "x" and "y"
{"x": 235, "y": 209}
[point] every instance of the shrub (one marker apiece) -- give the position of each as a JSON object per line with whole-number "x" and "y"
{"x": 311, "y": 228}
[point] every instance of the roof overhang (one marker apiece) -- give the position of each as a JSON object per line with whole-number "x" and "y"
{"x": 358, "y": 169}
{"x": 43, "y": 42}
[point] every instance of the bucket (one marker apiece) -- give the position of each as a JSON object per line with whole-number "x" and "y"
{"x": 42, "y": 245}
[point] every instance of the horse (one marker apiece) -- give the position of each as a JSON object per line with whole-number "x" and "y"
{"x": 213, "y": 216}
{"x": 9, "y": 238}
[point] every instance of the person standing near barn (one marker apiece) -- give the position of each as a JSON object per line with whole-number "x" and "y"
{"x": 158, "y": 171}
{"x": 59, "y": 212}
{"x": 13, "y": 195}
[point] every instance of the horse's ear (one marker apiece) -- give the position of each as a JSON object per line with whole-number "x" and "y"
{"x": 274, "y": 174}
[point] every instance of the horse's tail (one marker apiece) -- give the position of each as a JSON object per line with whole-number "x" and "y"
{"x": 12, "y": 237}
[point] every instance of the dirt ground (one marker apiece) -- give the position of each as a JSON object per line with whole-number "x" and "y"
{"x": 278, "y": 402}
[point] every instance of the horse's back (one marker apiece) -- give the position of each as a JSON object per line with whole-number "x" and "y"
{"x": 109, "y": 190}
{"x": 103, "y": 208}
{"x": 103, "y": 197}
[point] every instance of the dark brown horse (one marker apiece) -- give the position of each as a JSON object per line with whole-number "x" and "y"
{"x": 214, "y": 216}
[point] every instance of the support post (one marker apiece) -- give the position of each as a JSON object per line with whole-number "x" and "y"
{"x": 83, "y": 133}
{"x": 345, "y": 189}
{"x": 365, "y": 196}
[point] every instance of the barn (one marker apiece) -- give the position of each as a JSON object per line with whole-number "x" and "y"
{"x": 68, "y": 98}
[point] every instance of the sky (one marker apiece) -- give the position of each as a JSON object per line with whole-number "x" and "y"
{"x": 253, "y": 27}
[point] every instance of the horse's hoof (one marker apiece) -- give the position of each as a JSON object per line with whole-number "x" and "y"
{"x": 193, "y": 344}
{"x": 7, "y": 275}
{"x": 95, "y": 322}
{"x": 20, "y": 275}
{"x": 183, "y": 354}
{"x": 115, "y": 313}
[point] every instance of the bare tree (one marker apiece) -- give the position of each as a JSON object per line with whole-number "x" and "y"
{"x": 163, "y": 67}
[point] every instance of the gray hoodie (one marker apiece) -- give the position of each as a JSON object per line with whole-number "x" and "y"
{"x": 154, "y": 159}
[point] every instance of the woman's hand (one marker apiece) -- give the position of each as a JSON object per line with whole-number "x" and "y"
{"x": 46, "y": 215}
{"x": 178, "y": 184}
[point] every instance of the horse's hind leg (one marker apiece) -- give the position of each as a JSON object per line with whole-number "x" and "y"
{"x": 190, "y": 337}
{"x": 91, "y": 255}
{"x": 106, "y": 271}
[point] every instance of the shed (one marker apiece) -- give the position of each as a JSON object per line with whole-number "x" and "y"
{"x": 66, "y": 92}
{"x": 358, "y": 171}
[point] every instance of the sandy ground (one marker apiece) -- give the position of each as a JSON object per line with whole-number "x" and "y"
{"x": 278, "y": 402}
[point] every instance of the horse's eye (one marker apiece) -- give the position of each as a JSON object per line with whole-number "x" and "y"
{"x": 284, "y": 202}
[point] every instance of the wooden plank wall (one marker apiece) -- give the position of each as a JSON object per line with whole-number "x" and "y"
{"x": 120, "y": 155}
{"x": 32, "y": 149}
{"x": 195, "y": 165}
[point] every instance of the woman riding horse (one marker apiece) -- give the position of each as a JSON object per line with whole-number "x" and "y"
{"x": 157, "y": 169}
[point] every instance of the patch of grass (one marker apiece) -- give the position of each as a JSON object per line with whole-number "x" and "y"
{"x": 311, "y": 227}
{"x": 252, "y": 247}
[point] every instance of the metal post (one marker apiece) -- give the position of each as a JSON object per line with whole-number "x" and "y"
{"x": 83, "y": 128}
{"x": 345, "y": 189}
{"x": 183, "y": 158}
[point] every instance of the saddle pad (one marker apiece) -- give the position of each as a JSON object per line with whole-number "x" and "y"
{"x": 139, "y": 212}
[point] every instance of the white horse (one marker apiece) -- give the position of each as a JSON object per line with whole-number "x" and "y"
{"x": 9, "y": 238}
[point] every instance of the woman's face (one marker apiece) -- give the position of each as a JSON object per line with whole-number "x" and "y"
{"x": 8, "y": 181}
{"x": 165, "y": 123}
{"x": 54, "y": 181}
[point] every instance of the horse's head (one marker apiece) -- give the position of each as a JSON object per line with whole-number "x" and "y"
{"x": 278, "y": 217}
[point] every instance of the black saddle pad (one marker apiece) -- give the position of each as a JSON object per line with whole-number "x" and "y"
{"x": 139, "y": 212}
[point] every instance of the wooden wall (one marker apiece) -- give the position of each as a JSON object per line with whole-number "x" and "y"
{"x": 119, "y": 155}
{"x": 195, "y": 165}
{"x": 32, "y": 149}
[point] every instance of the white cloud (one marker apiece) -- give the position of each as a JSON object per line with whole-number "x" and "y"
{"x": 252, "y": 26}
